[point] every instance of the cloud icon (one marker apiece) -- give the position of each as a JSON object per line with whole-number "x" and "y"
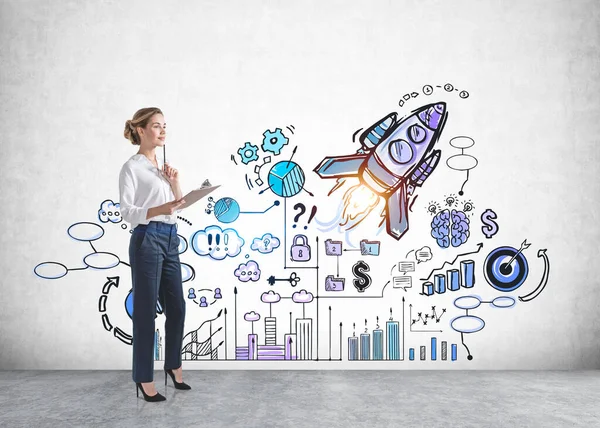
{"x": 109, "y": 211}
{"x": 302, "y": 296}
{"x": 251, "y": 316}
{"x": 270, "y": 297}
{"x": 266, "y": 244}
{"x": 217, "y": 243}
{"x": 248, "y": 271}
{"x": 424, "y": 254}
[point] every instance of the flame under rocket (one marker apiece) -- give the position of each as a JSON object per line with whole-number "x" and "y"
{"x": 396, "y": 157}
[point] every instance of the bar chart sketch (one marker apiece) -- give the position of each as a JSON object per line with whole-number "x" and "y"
{"x": 453, "y": 280}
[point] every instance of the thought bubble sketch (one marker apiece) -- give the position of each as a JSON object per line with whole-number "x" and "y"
{"x": 266, "y": 244}
{"x": 217, "y": 243}
{"x": 423, "y": 254}
{"x": 248, "y": 271}
{"x": 109, "y": 212}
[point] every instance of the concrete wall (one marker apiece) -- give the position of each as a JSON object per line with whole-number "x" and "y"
{"x": 224, "y": 73}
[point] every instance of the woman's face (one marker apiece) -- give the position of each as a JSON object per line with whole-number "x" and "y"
{"x": 155, "y": 131}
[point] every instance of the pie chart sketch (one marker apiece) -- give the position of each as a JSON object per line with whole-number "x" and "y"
{"x": 286, "y": 179}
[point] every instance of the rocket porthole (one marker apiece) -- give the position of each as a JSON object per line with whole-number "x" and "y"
{"x": 416, "y": 133}
{"x": 401, "y": 152}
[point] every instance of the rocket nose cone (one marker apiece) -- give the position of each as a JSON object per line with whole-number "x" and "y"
{"x": 432, "y": 115}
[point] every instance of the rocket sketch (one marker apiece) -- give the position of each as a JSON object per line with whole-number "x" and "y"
{"x": 396, "y": 157}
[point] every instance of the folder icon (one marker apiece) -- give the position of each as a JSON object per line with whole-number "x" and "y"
{"x": 333, "y": 248}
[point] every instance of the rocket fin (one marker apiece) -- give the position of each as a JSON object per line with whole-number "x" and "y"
{"x": 397, "y": 213}
{"x": 340, "y": 166}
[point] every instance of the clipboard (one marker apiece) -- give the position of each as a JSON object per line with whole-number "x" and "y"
{"x": 197, "y": 194}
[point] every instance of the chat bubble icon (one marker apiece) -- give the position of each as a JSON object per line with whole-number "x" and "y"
{"x": 403, "y": 282}
{"x": 423, "y": 254}
{"x": 408, "y": 266}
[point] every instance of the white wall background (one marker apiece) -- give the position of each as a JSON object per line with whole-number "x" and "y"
{"x": 223, "y": 72}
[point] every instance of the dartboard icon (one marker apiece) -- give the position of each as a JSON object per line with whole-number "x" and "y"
{"x": 505, "y": 269}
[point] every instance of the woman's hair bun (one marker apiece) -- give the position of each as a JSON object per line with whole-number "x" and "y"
{"x": 129, "y": 132}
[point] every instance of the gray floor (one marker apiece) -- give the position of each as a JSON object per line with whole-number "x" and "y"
{"x": 371, "y": 399}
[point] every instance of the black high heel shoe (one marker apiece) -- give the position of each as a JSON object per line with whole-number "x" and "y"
{"x": 178, "y": 385}
{"x": 151, "y": 398}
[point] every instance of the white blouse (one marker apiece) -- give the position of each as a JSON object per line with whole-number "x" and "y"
{"x": 141, "y": 186}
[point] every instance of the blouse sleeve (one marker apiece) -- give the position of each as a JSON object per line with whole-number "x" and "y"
{"x": 129, "y": 212}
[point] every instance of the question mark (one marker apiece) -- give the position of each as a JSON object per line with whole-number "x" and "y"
{"x": 302, "y": 211}
{"x": 267, "y": 241}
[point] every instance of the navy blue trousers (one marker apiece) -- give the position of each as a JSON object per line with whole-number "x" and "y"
{"x": 156, "y": 276}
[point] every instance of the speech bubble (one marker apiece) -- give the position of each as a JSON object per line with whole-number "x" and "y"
{"x": 407, "y": 266}
{"x": 403, "y": 282}
{"x": 266, "y": 244}
{"x": 248, "y": 271}
{"x": 109, "y": 211}
{"x": 217, "y": 243}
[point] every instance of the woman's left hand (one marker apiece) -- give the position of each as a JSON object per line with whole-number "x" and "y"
{"x": 170, "y": 173}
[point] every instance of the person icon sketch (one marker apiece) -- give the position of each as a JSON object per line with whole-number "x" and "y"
{"x": 218, "y": 293}
{"x": 191, "y": 294}
{"x": 203, "y": 303}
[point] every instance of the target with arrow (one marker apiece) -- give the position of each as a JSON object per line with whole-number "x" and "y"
{"x": 506, "y": 268}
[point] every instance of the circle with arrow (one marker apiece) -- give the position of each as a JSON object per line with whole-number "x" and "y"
{"x": 506, "y": 268}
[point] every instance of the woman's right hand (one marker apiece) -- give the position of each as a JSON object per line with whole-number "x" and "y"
{"x": 170, "y": 207}
{"x": 165, "y": 209}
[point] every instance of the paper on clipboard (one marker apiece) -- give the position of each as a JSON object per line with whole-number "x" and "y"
{"x": 197, "y": 194}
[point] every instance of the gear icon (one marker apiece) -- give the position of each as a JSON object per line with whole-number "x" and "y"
{"x": 274, "y": 141}
{"x": 248, "y": 153}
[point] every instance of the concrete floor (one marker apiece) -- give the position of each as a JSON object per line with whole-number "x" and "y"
{"x": 373, "y": 399}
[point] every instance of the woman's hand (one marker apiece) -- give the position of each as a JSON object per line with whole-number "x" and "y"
{"x": 169, "y": 208}
{"x": 170, "y": 173}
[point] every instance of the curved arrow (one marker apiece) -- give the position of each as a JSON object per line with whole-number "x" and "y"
{"x": 112, "y": 281}
{"x": 529, "y": 297}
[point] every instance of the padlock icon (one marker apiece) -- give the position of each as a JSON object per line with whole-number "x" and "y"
{"x": 300, "y": 249}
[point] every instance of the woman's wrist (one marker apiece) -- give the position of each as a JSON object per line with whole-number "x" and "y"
{"x": 153, "y": 212}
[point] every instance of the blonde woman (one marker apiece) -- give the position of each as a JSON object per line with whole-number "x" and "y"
{"x": 149, "y": 199}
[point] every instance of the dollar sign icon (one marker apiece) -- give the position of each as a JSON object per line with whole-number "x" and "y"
{"x": 490, "y": 227}
{"x": 362, "y": 280}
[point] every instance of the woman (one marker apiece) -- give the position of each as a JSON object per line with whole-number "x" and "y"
{"x": 149, "y": 198}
